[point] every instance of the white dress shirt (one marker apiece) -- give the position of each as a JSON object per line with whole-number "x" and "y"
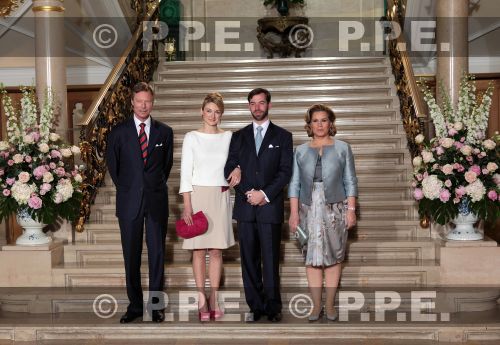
{"x": 264, "y": 126}
{"x": 146, "y": 128}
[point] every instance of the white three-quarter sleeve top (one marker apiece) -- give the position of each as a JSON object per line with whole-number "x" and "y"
{"x": 203, "y": 159}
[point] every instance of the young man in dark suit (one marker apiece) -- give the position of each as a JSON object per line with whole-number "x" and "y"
{"x": 139, "y": 156}
{"x": 264, "y": 153}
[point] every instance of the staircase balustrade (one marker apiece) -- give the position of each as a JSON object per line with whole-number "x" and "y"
{"x": 413, "y": 109}
{"x": 112, "y": 105}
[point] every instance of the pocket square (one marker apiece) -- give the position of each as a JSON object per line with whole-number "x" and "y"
{"x": 158, "y": 145}
{"x": 272, "y": 147}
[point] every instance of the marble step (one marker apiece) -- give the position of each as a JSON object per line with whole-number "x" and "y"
{"x": 370, "y": 209}
{"x": 272, "y": 63}
{"x": 345, "y": 127}
{"x": 302, "y": 103}
{"x": 282, "y": 71}
{"x": 84, "y": 330}
{"x": 399, "y": 173}
{"x": 357, "y": 135}
{"x": 366, "y": 190}
{"x": 381, "y": 138}
{"x": 363, "y": 157}
{"x": 104, "y": 233}
{"x": 355, "y": 273}
{"x": 362, "y": 250}
{"x": 248, "y": 82}
{"x": 382, "y": 190}
{"x": 347, "y": 115}
{"x": 31, "y": 302}
{"x": 190, "y": 94}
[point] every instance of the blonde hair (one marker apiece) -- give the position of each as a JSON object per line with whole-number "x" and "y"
{"x": 216, "y": 98}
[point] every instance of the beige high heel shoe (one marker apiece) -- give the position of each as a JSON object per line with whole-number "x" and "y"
{"x": 316, "y": 317}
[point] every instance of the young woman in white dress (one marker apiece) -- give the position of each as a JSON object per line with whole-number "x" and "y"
{"x": 204, "y": 188}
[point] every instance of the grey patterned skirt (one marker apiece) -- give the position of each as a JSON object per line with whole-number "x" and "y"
{"x": 326, "y": 224}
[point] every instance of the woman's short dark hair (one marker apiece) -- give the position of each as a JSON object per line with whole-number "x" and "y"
{"x": 215, "y": 98}
{"x": 317, "y": 108}
{"x": 258, "y": 91}
{"x": 142, "y": 87}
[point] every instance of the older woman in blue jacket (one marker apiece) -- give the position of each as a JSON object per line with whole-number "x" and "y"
{"x": 322, "y": 193}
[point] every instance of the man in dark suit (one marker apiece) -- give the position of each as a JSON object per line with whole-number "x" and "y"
{"x": 139, "y": 156}
{"x": 264, "y": 153}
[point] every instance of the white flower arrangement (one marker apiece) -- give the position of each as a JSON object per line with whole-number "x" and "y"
{"x": 458, "y": 166}
{"x": 36, "y": 174}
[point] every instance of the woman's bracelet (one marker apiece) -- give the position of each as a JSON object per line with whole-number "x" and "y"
{"x": 351, "y": 208}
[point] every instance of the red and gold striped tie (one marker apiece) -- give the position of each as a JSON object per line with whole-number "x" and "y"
{"x": 143, "y": 141}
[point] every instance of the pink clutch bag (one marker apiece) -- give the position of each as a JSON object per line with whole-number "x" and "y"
{"x": 199, "y": 227}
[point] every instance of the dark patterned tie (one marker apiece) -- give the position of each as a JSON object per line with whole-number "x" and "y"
{"x": 143, "y": 141}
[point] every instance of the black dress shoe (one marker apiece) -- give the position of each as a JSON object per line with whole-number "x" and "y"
{"x": 129, "y": 317}
{"x": 158, "y": 316}
{"x": 275, "y": 317}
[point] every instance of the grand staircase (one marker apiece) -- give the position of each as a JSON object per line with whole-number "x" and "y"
{"x": 387, "y": 248}
{"x": 388, "y": 251}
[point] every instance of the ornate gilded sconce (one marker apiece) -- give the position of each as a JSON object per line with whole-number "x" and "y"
{"x": 170, "y": 49}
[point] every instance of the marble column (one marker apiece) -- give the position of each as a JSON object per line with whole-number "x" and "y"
{"x": 50, "y": 70}
{"x": 50, "y": 62}
{"x": 452, "y": 44}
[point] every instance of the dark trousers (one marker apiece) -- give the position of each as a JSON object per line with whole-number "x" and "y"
{"x": 260, "y": 256}
{"x": 132, "y": 236}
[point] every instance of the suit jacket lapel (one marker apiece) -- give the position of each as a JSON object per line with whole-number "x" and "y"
{"x": 267, "y": 138}
{"x": 134, "y": 142}
{"x": 153, "y": 135}
{"x": 249, "y": 137}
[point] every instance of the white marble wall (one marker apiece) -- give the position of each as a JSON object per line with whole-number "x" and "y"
{"x": 323, "y": 15}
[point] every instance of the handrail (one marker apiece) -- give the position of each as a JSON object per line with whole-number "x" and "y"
{"x": 112, "y": 105}
{"x": 91, "y": 112}
{"x": 413, "y": 108}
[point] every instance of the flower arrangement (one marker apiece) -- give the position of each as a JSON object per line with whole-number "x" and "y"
{"x": 36, "y": 175}
{"x": 459, "y": 167}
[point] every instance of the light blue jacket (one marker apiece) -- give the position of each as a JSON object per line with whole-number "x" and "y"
{"x": 339, "y": 174}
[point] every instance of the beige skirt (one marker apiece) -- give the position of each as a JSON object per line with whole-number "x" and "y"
{"x": 217, "y": 208}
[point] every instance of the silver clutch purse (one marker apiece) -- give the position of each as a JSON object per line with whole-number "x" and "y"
{"x": 302, "y": 236}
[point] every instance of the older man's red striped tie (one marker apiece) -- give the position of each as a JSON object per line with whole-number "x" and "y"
{"x": 143, "y": 141}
